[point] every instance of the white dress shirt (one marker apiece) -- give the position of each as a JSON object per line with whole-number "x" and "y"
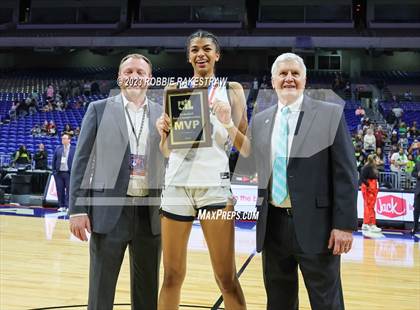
{"x": 64, "y": 157}
{"x": 136, "y": 117}
{"x": 137, "y": 184}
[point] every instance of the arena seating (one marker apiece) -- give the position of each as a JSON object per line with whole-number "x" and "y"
{"x": 411, "y": 110}
{"x": 394, "y": 76}
{"x": 15, "y": 133}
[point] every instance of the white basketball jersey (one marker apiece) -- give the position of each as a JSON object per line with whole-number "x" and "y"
{"x": 203, "y": 166}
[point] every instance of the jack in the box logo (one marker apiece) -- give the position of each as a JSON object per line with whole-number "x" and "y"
{"x": 391, "y": 206}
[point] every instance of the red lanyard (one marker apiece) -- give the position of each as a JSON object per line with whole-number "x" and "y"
{"x": 212, "y": 92}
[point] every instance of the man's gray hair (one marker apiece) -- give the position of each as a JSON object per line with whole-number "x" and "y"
{"x": 287, "y": 57}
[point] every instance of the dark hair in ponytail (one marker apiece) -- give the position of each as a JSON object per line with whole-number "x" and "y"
{"x": 203, "y": 34}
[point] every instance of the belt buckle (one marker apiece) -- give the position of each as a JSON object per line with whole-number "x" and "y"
{"x": 289, "y": 211}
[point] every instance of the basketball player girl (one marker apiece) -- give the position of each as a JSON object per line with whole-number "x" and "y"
{"x": 198, "y": 179}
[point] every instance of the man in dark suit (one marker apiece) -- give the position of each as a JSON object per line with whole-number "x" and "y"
{"x": 115, "y": 189}
{"x": 61, "y": 166}
{"x": 307, "y": 189}
{"x": 416, "y": 212}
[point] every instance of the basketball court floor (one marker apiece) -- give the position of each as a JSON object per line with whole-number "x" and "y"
{"x": 42, "y": 266}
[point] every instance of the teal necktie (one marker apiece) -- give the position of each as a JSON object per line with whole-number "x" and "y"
{"x": 279, "y": 189}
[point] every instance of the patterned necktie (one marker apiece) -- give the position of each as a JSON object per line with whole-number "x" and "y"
{"x": 279, "y": 189}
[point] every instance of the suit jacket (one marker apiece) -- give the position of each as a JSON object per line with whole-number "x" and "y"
{"x": 58, "y": 153}
{"x": 101, "y": 170}
{"x": 415, "y": 175}
{"x": 321, "y": 173}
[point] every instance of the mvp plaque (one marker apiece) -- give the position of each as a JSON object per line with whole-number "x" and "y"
{"x": 188, "y": 110}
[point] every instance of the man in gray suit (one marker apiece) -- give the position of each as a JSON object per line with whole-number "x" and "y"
{"x": 115, "y": 188}
{"x": 307, "y": 189}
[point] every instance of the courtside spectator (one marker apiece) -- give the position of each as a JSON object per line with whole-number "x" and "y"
{"x": 394, "y": 138}
{"x": 49, "y": 92}
{"x": 22, "y": 156}
{"x": 64, "y": 90}
{"x": 68, "y": 131}
{"x": 41, "y": 158}
{"x": 264, "y": 84}
{"x": 358, "y": 151}
{"x": 410, "y": 164}
{"x": 86, "y": 88}
{"x": 94, "y": 88}
{"x": 402, "y": 129}
{"x": 380, "y": 159}
{"x": 408, "y": 95}
{"x": 60, "y": 105}
{"x": 35, "y": 96}
{"x": 61, "y": 166}
{"x": 360, "y": 112}
{"x": 77, "y": 132}
{"x": 414, "y": 149}
{"x": 28, "y": 102}
{"x": 32, "y": 106}
{"x": 52, "y": 129}
{"x": 44, "y": 128}
{"x": 394, "y": 99}
{"x": 369, "y": 187}
{"x": 398, "y": 112}
{"x": 75, "y": 88}
{"x": 48, "y": 107}
{"x": 360, "y": 162}
{"x": 365, "y": 124}
{"x": 391, "y": 119}
{"x": 403, "y": 142}
{"x": 36, "y": 131}
{"x": 358, "y": 140}
{"x": 413, "y": 131}
{"x": 369, "y": 141}
{"x": 380, "y": 137}
{"x": 13, "y": 110}
{"x": 399, "y": 161}
{"x": 254, "y": 91}
{"x": 21, "y": 109}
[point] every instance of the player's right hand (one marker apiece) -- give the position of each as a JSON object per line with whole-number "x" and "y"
{"x": 163, "y": 124}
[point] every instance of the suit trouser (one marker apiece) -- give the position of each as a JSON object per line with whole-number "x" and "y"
{"x": 281, "y": 257}
{"x": 106, "y": 256}
{"x": 62, "y": 182}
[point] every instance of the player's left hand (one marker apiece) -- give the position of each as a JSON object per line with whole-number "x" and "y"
{"x": 222, "y": 110}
